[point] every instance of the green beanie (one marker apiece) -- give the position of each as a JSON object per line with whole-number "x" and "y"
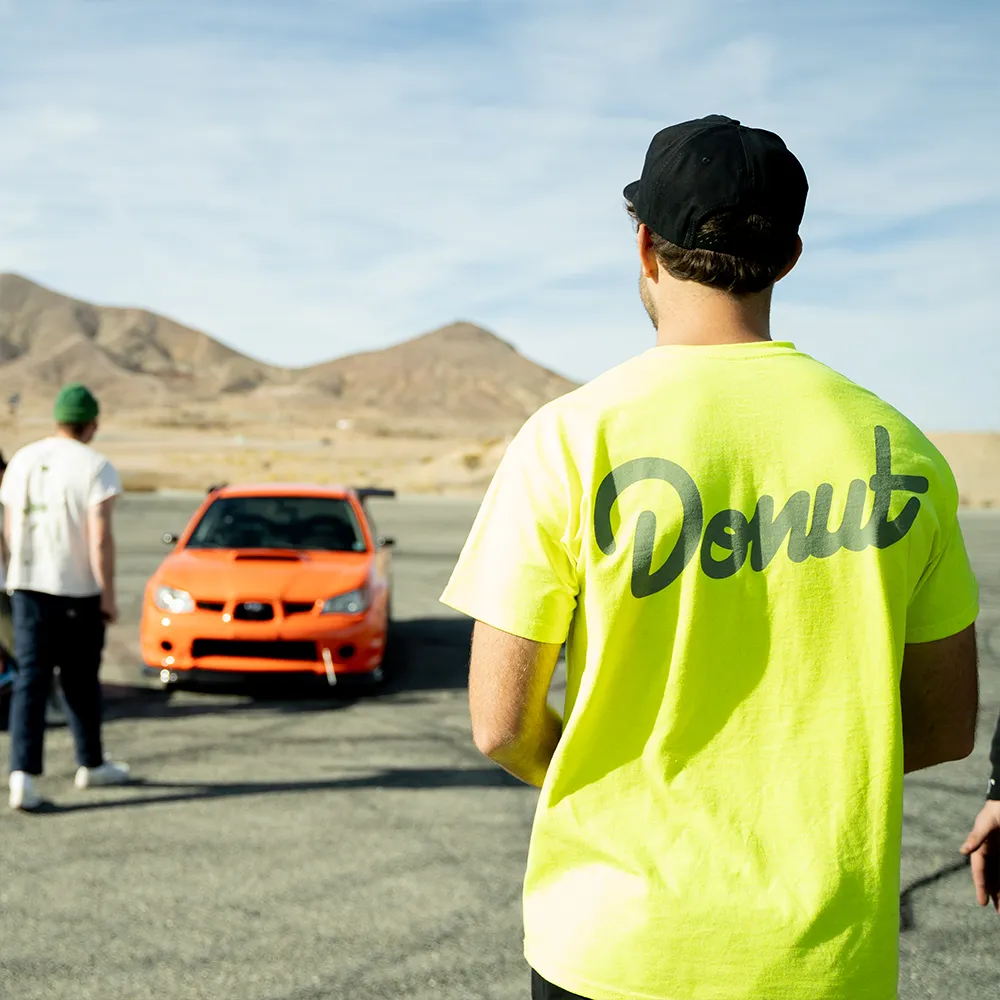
{"x": 75, "y": 404}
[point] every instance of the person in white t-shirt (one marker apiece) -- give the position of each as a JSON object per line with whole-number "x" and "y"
{"x": 58, "y": 496}
{"x": 6, "y": 628}
{"x": 55, "y": 710}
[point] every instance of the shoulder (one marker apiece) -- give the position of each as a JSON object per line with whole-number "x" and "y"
{"x": 905, "y": 433}
{"x": 87, "y": 464}
{"x": 583, "y": 408}
{"x": 98, "y": 460}
{"x": 21, "y": 458}
{"x": 103, "y": 469}
{"x": 912, "y": 452}
{"x": 908, "y": 440}
{"x": 87, "y": 455}
{"x": 26, "y": 451}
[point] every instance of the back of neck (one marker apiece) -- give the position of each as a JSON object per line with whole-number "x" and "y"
{"x": 704, "y": 317}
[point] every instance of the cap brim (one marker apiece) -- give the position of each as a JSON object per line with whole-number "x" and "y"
{"x": 631, "y": 190}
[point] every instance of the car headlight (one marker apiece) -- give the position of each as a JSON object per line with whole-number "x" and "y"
{"x": 177, "y": 602}
{"x": 351, "y": 603}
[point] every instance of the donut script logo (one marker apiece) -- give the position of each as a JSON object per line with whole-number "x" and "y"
{"x": 760, "y": 537}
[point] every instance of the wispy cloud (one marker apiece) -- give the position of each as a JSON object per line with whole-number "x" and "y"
{"x": 305, "y": 179}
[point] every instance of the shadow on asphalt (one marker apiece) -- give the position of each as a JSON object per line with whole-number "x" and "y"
{"x": 122, "y": 701}
{"x": 416, "y": 779}
{"x": 430, "y": 654}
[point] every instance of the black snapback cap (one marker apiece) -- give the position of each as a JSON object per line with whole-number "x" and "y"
{"x": 700, "y": 168}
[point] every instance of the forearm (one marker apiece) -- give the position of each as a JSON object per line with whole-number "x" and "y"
{"x": 921, "y": 757}
{"x": 527, "y": 755}
{"x": 103, "y": 562}
{"x": 926, "y": 745}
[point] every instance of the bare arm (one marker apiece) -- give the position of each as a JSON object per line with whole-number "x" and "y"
{"x": 102, "y": 555}
{"x": 512, "y": 722}
{"x": 939, "y": 692}
{"x": 982, "y": 846}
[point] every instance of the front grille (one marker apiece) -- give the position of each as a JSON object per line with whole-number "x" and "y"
{"x": 211, "y": 605}
{"x": 254, "y": 611}
{"x": 253, "y": 650}
{"x": 298, "y": 607}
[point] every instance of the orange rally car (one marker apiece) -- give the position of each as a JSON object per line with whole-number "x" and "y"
{"x": 271, "y": 579}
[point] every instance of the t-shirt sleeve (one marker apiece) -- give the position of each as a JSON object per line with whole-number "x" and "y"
{"x": 9, "y": 488}
{"x": 946, "y": 600}
{"x": 518, "y": 570}
{"x": 107, "y": 483}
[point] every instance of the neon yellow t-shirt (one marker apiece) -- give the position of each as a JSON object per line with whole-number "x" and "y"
{"x": 735, "y": 543}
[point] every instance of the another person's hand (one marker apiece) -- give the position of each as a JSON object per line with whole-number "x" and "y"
{"x": 109, "y": 609}
{"x": 983, "y": 848}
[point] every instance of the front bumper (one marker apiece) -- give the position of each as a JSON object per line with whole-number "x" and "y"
{"x": 319, "y": 646}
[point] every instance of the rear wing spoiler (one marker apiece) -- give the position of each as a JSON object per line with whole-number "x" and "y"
{"x": 364, "y": 493}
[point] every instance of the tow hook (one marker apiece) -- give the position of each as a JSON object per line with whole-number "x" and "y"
{"x": 331, "y": 677}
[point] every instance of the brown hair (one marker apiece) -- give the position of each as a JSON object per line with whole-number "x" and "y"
{"x": 766, "y": 252}
{"x": 76, "y": 429}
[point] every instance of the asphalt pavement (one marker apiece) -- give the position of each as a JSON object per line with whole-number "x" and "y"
{"x": 337, "y": 847}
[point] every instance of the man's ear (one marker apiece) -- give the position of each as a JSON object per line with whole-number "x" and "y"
{"x": 647, "y": 255}
{"x": 796, "y": 254}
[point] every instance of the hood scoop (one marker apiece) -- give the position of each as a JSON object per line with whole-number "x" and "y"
{"x": 267, "y": 557}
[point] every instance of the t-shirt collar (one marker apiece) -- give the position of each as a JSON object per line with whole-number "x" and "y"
{"x": 735, "y": 352}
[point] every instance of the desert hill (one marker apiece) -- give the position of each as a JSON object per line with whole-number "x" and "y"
{"x": 131, "y": 355}
{"x": 136, "y": 359}
{"x": 461, "y": 371}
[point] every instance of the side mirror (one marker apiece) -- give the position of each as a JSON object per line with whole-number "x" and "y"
{"x": 170, "y": 539}
{"x": 385, "y": 541}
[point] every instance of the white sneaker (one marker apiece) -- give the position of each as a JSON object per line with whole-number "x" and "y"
{"x": 109, "y": 773}
{"x": 22, "y": 792}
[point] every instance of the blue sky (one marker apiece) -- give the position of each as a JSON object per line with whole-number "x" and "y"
{"x": 307, "y": 178}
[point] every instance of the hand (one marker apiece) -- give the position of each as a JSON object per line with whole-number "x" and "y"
{"x": 109, "y": 610}
{"x": 983, "y": 848}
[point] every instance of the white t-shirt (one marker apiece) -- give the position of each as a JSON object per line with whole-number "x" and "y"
{"x": 49, "y": 488}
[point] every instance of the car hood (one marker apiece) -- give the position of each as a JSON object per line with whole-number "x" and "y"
{"x": 228, "y": 575}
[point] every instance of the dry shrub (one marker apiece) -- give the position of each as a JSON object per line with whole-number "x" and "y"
{"x": 141, "y": 481}
{"x": 190, "y": 420}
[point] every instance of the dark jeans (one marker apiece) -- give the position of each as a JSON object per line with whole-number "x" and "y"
{"x": 50, "y": 632}
{"x": 542, "y": 989}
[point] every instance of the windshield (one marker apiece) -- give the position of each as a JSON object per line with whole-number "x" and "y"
{"x": 326, "y": 524}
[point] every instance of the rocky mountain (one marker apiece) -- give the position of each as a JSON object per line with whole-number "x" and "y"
{"x": 135, "y": 358}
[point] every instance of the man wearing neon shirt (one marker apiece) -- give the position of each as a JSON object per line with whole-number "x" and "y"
{"x": 757, "y": 569}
